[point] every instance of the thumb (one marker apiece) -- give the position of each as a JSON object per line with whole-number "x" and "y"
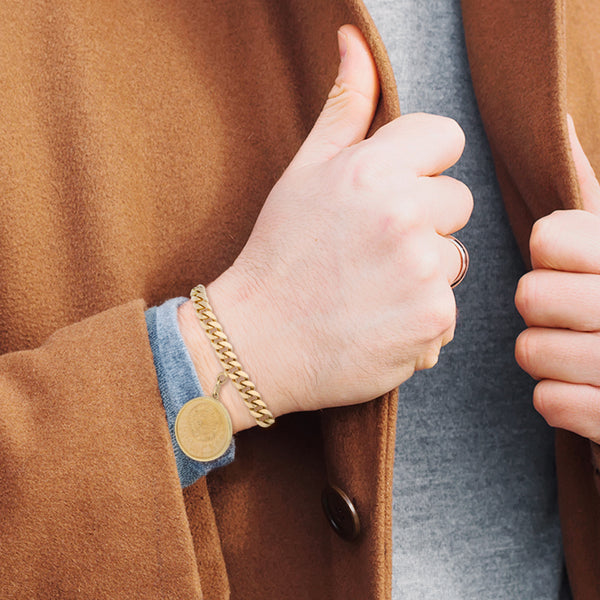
{"x": 588, "y": 184}
{"x": 350, "y": 106}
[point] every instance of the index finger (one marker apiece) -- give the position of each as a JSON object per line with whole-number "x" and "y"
{"x": 426, "y": 144}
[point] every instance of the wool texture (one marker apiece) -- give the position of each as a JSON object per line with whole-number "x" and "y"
{"x": 138, "y": 142}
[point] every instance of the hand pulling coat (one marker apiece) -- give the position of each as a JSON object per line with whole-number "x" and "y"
{"x": 138, "y": 141}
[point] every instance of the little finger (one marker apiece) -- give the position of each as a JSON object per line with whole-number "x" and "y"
{"x": 430, "y": 356}
{"x": 559, "y": 354}
{"x": 569, "y": 406}
{"x": 437, "y": 315}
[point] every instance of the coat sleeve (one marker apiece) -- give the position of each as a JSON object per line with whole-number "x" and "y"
{"x": 90, "y": 501}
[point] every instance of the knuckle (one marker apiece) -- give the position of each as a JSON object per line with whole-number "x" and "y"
{"x": 426, "y": 264}
{"x": 525, "y": 296}
{"x": 419, "y": 119}
{"x": 362, "y": 170}
{"x": 428, "y": 359}
{"x": 460, "y": 198}
{"x": 453, "y": 130}
{"x": 466, "y": 197}
{"x": 540, "y": 400}
{"x": 448, "y": 335}
{"x": 396, "y": 223}
{"x": 342, "y": 93}
{"x": 542, "y": 236}
{"x": 525, "y": 350}
{"x": 545, "y": 404}
{"x": 443, "y": 125}
{"x": 410, "y": 214}
{"x": 442, "y": 317}
{"x": 446, "y": 316}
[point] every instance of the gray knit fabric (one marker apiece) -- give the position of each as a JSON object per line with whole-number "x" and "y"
{"x": 475, "y": 509}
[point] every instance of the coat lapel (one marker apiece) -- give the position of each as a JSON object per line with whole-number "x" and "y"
{"x": 518, "y": 65}
{"x": 526, "y": 79}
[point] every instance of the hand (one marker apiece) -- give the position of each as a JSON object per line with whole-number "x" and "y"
{"x": 342, "y": 290}
{"x": 560, "y": 303}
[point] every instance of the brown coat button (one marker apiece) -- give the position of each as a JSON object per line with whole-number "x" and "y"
{"x": 340, "y": 512}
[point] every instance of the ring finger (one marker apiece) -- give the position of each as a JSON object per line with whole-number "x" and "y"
{"x": 454, "y": 261}
{"x": 560, "y": 354}
{"x": 557, "y": 299}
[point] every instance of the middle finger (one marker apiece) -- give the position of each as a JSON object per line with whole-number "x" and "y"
{"x": 450, "y": 202}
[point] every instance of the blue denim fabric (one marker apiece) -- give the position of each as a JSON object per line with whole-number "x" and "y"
{"x": 178, "y": 383}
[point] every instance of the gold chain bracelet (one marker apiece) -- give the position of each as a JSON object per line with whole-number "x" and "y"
{"x": 232, "y": 367}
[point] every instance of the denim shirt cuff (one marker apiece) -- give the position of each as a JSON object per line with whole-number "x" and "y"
{"x": 178, "y": 383}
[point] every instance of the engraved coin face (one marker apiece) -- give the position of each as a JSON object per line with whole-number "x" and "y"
{"x": 203, "y": 429}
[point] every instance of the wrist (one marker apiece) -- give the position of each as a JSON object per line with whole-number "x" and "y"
{"x": 208, "y": 367}
{"x": 236, "y": 310}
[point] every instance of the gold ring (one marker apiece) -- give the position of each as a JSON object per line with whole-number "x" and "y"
{"x": 464, "y": 260}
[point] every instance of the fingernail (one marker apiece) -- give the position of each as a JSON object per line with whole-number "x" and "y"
{"x": 342, "y": 44}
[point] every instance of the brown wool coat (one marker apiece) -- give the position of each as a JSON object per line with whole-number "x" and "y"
{"x": 137, "y": 143}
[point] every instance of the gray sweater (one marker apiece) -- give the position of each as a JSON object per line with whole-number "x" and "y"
{"x": 475, "y": 509}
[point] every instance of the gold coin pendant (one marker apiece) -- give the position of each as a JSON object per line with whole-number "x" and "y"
{"x": 203, "y": 429}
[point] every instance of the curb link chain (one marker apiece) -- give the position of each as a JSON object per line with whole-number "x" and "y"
{"x": 233, "y": 369}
